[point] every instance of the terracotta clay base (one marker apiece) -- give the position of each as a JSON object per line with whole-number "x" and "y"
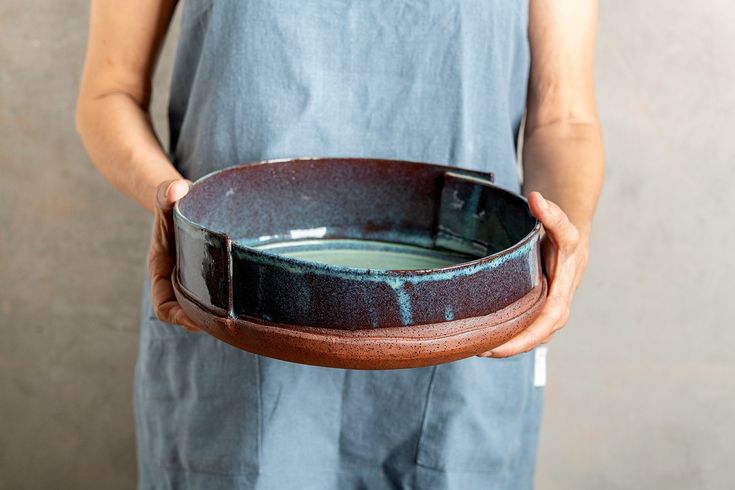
{"x": 377, "y": 348}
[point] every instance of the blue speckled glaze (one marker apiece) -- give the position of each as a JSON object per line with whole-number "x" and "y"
{"x": 466, "y": 289}
{"x": 390, "y": 201}
{"x": 448, "y": 313}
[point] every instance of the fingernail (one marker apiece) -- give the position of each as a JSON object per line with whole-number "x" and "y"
{"x": 544, "y": 204}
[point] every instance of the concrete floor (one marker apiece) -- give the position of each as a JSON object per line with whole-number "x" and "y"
{"x": 640, "y": 391}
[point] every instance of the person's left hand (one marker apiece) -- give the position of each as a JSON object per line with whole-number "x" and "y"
{"x": 162, "y": 255}
{"x": 564, "y": 251}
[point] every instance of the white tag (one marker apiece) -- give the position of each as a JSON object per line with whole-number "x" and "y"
{"x": 539, "y": 366}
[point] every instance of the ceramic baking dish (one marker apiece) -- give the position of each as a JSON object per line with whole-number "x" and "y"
{"x": 357, "y": 263}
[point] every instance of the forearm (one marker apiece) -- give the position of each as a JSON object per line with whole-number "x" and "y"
{"x": 112, "y": 108}
{"x": 563, "y": 158}
{"x": 120, "y": 140}
{"x": 565, "y": 163}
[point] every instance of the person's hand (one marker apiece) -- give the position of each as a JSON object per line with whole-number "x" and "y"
{"x": 564, "y": 252}
{"x": 162, "y": 255}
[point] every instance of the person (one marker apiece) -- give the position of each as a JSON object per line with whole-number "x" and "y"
{"x": 455, "y": 82}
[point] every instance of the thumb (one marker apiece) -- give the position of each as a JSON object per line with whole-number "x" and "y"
{"x": 555, "y": 221}
{"x": 170, "y": 191}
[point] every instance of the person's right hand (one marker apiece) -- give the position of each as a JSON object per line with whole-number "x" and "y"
{"x": 162, "y": 255}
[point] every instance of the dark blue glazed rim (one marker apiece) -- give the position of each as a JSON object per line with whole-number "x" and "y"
{"x": 229, "y": 213}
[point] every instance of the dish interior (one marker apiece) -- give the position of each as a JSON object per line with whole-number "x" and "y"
{"x": 361, "y": 213}
{"x": 366, "y": 254}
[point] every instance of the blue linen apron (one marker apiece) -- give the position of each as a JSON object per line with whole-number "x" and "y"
{"x": 439, "y": 81}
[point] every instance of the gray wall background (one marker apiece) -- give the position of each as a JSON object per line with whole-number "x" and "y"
{"x": 640, "y": 392}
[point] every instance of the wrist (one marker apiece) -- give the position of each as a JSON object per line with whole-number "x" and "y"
{"x": 585, "y": 230}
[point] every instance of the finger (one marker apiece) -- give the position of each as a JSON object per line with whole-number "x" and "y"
{"x": 525, "y": 340}
{"x": 562, "y": 282}
{"x": 170, "y": 191}
{"x": 160, "y": 259}
{"x": 490, "y": 353}
{"x": 171, "y": 312}
{"x": 556, "y": 222}
{"x": 166, "y": 306}
{"x": 167, "y": 194}
{"x": 549, "y": 338}
{"x": 552, "y": 317}
{"x": 162, "y": 291}
{"x": 550, "y": 255}
{"x": 164, "y": 301}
